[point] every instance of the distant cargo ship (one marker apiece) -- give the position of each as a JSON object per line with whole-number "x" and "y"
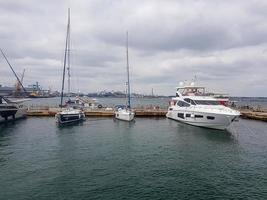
{"x": 40, "y": 95}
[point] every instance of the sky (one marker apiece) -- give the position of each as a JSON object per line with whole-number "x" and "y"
{"x": 222, "y": 43}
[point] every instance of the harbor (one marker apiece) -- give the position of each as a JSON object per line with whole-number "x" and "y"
{"x": 252, "y": 109}
{"x": 135, "y": 100}
{"x": 149, "y": 157}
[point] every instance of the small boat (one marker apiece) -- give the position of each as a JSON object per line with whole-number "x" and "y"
{"x": 83, "y": 103}
{"x": 69, "y": 114}
{"x": 126, "y": 113}
{"x": 192, "y": 106}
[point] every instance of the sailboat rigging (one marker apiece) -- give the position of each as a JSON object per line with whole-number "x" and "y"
{"x": 128, "y": 73}
{"x": 65, "y": 58}
{"x": 70, "y": 114}
{"x": 126, "y": 113}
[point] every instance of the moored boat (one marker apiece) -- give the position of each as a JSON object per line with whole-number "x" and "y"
{"x": 126, "y": 113}
{"x": 69, "y": 114}
{"x": 11, "y": 110}
{"x": 195, "y": 108}
{"x": 83, "y": 103}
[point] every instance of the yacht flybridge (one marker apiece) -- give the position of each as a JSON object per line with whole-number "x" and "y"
{"x": 193, "y": 90}
{"x": 192, "y": 105}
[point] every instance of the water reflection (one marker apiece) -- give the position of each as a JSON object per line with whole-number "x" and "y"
{"x": 210, "y": 134}
{"x": 124, "y": 124}
{"x": 69, "y": 125}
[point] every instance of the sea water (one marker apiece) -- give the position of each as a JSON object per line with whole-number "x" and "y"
{"x": 155, "y": 158}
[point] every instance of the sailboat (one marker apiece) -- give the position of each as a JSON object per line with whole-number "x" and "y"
{"x": 126, "y": 113}
{"x": 69, "y": 114}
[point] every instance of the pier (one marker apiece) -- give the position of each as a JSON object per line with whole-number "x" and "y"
{"x": 139, "y": 112}
{"x": 255, "y": 115}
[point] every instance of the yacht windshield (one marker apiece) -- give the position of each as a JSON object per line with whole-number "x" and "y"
{"x": 190, "y": 101}
{"x": 205, "y": 102}
{"x": 183, "y": 104}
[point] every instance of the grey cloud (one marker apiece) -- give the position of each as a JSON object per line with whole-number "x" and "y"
{"x": 222, "y": 42}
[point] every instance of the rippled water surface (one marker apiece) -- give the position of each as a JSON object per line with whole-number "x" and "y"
{"x": 148, "y": 159}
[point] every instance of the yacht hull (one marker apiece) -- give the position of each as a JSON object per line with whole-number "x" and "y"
{"x": 11, "y": 115}
{"x": 124, "y": 115}
{"x": 6, "y": 112}
{"x": 201, "y": 119}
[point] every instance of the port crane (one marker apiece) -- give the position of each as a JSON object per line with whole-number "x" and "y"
{"x": 24, "y": 90}
{"x": 18, "y": 86}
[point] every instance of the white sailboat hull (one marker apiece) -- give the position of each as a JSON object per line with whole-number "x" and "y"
{"x": 125, "y": 115}
{"x": 203, "y": 119}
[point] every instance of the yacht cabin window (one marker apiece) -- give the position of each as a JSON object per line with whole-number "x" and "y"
{"x": 183, "y": 104}
{"x": 207, "y": 102}
{"x": 187, "y": 115}
{"x": 190, "y": 101}
{"x": 180, "y": 115}
{"x": 210, "y": 117}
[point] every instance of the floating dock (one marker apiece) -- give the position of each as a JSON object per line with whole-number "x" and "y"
{"x": 144, "y": 112}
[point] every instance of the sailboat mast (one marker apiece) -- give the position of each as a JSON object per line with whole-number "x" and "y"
{"x": 65, "y": 59}
{"x": 68, "y": 50}
{"x": 128, "y": 73}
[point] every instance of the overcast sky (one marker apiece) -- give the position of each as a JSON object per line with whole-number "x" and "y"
{"x": 222, "y": 43}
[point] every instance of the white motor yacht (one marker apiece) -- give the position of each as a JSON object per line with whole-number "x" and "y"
{"x": 11, "y": 109}
{"x": 193, "y": 107}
